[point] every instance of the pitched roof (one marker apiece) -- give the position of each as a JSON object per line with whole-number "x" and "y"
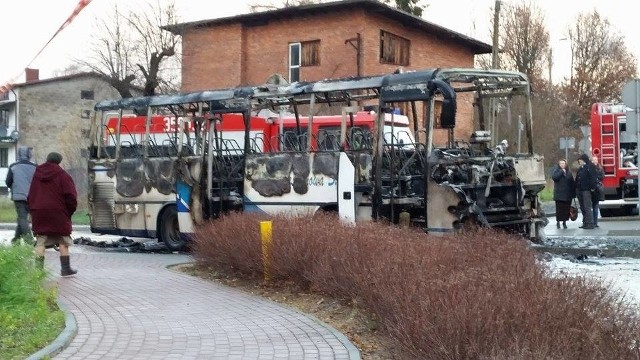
{"x": 373, "y": 6}
{"x": 61, "y": 78}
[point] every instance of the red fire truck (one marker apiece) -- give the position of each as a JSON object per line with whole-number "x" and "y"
{"x": 617, "y": 150}
{"x": 264, "y": 130}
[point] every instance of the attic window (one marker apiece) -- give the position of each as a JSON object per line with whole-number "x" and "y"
{"x": 394, "y": 49}
{"x": 86, "y": 94}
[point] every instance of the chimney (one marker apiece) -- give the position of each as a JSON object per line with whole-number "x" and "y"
{"x": 32, "y": 74}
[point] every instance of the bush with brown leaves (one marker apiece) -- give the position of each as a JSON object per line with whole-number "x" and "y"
{"x": 463, "y": 296}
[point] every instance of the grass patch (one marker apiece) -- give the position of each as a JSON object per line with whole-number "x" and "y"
{"x": 8, "y": 213}
{"x": 29, "y": 316}
{"x": 480, "y": 295}
{"x": 547, "y": 193}
{"x": 80, "y": 217}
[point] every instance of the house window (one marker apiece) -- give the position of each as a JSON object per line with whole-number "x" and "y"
{"x": 310, "y": 53}
{"x": 294, "y": 62}
{"x": 86, "y": 94}
{"x": 4, "y": 157}
{"x": 4, "y": 117}
{"x": 394, "y": 49}
{"x": 306, "y": 53}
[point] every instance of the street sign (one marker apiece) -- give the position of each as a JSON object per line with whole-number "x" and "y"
{"x": 632, "y": 122}
{"x": 586, "y": 130}
{"x": 631, "y": 98}
{"x": 631, "y": 93}
{"x": 567, "y": 143}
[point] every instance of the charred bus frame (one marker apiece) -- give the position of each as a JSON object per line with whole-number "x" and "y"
{"x": 375, "y": 175}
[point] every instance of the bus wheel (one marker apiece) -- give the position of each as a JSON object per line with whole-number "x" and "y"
{"x": 608, "y": 212}
{"x": 168, "y": 229}
{"x": 628, "y": 210}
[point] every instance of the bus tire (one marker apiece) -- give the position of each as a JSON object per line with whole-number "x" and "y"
{"x": 628, "y": 210}
{"x": 168, "y": 229}
{"x": 608, "y": 212}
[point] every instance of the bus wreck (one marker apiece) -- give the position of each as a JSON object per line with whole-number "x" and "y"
{"x": 369, "y": 148}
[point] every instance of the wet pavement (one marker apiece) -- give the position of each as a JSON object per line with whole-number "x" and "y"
{"x": 615, "y": 237}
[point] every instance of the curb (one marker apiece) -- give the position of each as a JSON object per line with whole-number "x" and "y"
{"x": 64, "y": 338}
{"x": 354, "y": 353}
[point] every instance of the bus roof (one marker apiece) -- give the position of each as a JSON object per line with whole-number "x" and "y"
{"x": 413, "y": 85}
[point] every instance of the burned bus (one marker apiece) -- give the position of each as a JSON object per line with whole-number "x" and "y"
{"x": 378, "y": 147}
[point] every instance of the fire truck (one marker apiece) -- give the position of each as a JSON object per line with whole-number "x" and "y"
{"x": 618, "y": 154}
{"x": 326, "y": 129}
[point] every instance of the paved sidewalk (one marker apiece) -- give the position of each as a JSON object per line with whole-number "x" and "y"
{"x": 130, "y": 306}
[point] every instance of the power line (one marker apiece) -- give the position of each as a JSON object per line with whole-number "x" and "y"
{"x": 79, "y": 7}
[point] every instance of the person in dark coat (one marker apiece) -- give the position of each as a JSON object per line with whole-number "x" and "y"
{"x": 599, "y": 194}
{"x": 586, "y": 181}
{"x": 52, "y": 200}
{"x": 564, "y": 190}
{"x": 19, "y": 180}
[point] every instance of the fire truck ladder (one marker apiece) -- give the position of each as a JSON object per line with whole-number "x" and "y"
{"x": 608, "y": 145}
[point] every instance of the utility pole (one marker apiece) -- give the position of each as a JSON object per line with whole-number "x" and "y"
{"x": 550, "y": 64}
{"x": 495, "y": 60}
{"x": 495, "y": 64}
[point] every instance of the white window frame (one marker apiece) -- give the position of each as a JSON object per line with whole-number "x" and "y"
{"x": 294, "y": 66}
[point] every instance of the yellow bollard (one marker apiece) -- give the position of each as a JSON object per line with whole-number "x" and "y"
{"x": 404, "y": 220}
{"x": 265, "y": 237}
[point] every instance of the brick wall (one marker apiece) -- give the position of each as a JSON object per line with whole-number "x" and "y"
{"x": 233, "y": 55}
{"x": 212, "y": 59}
{"x": 50, "y": 119}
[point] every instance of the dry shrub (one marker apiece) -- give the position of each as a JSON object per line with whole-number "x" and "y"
{"x": 473, "y": 296}
{"x": 231, "y": 242}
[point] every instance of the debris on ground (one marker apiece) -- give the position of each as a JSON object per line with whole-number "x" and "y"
{"x": 123, "y": 244}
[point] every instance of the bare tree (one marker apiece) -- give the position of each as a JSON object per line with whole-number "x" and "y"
{"x": 134, "y": 52}
{"x": 524, "y": 41}
{"x": 601, "y": 63}
{"x": 524, "y": 46}
{"x": 156, "y": 46}
{"x": 68, "y": 70}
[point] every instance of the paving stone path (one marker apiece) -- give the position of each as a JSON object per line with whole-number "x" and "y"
{"x": 130, "y": 306}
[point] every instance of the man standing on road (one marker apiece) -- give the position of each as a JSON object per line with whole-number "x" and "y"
{"x": 585, "y": 187}
{"x": 598, "y": 195}
{"x": 19, "y": 180}
{"x": 52, "y": 200}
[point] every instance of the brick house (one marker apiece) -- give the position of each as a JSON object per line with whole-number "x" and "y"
{"x": 319, "y": 41}
{"x": 50, "y": 115}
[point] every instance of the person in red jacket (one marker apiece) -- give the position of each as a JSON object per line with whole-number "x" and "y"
{"x": 52, "y": 200}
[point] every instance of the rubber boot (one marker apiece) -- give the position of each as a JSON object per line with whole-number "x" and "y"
{"x": 40, "y": 262}
{"x": 65, "y": 267}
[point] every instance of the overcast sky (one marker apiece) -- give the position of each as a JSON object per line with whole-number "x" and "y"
{"x": 29, "y": 24}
